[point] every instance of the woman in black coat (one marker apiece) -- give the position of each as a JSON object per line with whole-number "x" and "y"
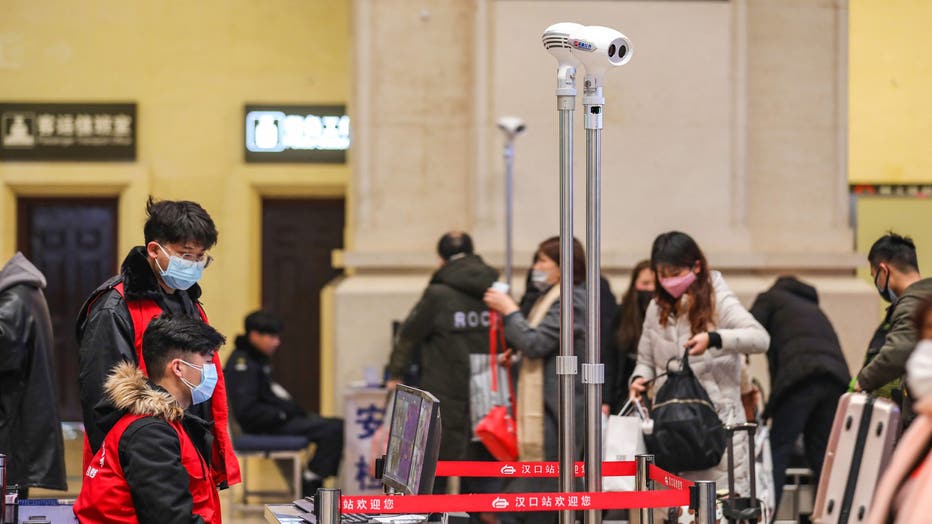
{"x": 620, "y": 345}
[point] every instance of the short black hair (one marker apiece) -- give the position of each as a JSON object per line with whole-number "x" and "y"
{"x": 177, "y": 221}
{"x": 896, "y": 250}
{"x": 172, "y": 336}
{"x": 263, "y": 322}
{"x": 454, "y": 243}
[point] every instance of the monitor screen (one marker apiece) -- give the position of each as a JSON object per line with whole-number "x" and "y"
{"x": 413, "y": 442}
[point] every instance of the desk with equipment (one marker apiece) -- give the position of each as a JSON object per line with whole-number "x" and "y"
{"x": 409, "y": 466}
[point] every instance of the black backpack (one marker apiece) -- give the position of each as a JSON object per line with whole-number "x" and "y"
{"x": 687, "y": 434}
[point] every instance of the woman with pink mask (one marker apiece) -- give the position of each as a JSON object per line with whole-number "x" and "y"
{"x": 695, "y": 310}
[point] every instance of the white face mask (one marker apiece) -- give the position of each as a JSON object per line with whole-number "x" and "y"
{"x": 539, "y": 279}
{"x": 919, "y": 370}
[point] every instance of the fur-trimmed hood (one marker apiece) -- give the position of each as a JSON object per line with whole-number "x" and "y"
{"x": 130, "y": 391}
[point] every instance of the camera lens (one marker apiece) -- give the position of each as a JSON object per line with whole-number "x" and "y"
{"x": 611, "y": 50}
{"x": 622, "y": 51}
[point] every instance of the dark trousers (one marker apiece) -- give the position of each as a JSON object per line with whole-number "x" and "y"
{"x": 808, "y": 411}
{"x": 326, "y": 434}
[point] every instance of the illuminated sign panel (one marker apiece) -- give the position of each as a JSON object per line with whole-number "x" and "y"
{"x": 296, "y": 134}
{"x": 67, "y": 132}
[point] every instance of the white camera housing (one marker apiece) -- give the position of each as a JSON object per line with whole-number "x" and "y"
{"x": 556, "y": 42}
{"x": 511, "y": 125}
{"x": 599, "y": 48}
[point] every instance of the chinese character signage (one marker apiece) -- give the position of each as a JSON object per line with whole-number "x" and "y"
{"x": 69, "y": 132}
{"x": 318, "y": 134}
{"x": 364, "y": 414}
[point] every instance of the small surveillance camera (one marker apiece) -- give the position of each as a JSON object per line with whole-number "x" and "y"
{"x": 511, "y": 125}
{"x": 599, "y": 48}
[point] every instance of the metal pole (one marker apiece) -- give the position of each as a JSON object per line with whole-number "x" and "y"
{"x": 643, "y": 483}
{"x": 704, "y": 502}
{"x": 593, "y": 371}
{"x": 327, "y": 506}
{"x": 566, "y": 362}
{"x": 509, "y": 206}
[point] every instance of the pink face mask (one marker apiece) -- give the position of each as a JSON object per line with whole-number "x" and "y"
{"x": 676, "y": 286}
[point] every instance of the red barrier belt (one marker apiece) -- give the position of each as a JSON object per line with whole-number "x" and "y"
{"x": 507, "y": 502}
{"x": 668, "y": 480}
{"x": 454, "y": 468}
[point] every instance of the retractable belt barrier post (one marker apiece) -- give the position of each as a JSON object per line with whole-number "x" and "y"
{"x": 677, "y": 492}
{"x": 643, "y": 480}
{"x": 702, "y": 499}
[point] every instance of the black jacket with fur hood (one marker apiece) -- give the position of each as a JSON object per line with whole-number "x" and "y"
{"x": 149, "y": 449}
{"x": 105, "y": 335}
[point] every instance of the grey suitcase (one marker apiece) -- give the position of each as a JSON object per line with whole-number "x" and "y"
{"x": 863, "y": 435}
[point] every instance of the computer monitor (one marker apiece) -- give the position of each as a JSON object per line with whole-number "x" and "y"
{"x": 413, "y": 442}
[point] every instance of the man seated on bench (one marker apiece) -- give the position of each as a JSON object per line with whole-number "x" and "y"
{"x": 263, "y": 407}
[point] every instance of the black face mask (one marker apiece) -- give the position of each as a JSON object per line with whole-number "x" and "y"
{"x": 644, "y": 298}
{"x": 885, "y": 292}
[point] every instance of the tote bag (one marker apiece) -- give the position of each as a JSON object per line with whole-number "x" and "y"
{"x": 624, "y": 438}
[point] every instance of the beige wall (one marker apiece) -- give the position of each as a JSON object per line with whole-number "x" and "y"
{"x": 710, "y": 119}
{"x": 729, "y": 122}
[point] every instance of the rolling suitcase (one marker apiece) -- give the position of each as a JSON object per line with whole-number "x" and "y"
{"x": 859, "y": 448}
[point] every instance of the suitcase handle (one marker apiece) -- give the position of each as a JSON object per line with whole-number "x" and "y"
{"x": 751, "y": 428}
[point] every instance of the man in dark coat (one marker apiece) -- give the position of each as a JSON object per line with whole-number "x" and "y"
{"x": 808, "y": 373}
{"x": 450, "y": 322}
{"x": 263, "y": 407}
{"x": 30, "y": 429}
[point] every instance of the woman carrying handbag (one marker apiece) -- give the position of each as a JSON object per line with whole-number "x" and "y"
{"x": 536, "y": 339}
{"x": 695, "y": 310}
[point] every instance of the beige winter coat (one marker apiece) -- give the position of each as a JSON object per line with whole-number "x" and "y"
{"x": 719, "y": 370}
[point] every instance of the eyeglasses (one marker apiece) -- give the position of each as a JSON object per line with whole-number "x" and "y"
{"x": 203, "y": 260}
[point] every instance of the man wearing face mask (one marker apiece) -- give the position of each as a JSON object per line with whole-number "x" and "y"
{"x": 895, "y": 270}
{"x": 160, "y": 276}
{"x": 153, "y": 464}
{"x": 449, "y": 322}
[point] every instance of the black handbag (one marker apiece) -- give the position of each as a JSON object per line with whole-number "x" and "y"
{"x": 687, "y": 433}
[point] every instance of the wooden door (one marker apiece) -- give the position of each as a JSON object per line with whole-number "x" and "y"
{"x": 298, "y": 237}
{"x": 73, "y": 242}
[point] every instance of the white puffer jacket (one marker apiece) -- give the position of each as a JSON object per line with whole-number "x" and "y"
{"x": 719, "y": 370}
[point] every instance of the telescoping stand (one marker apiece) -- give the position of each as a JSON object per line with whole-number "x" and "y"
{"x": 598, "y": 49}
{"x": 556, "y": 41}
{"x": 512, "y": 126}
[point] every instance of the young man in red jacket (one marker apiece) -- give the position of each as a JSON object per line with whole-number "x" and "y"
{"x": 152, "y": 467}
{"x": 160, "y": 275}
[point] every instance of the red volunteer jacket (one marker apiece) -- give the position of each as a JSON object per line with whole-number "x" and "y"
{"x": 223, "y": 459}
{"x": 149, "y": 469}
